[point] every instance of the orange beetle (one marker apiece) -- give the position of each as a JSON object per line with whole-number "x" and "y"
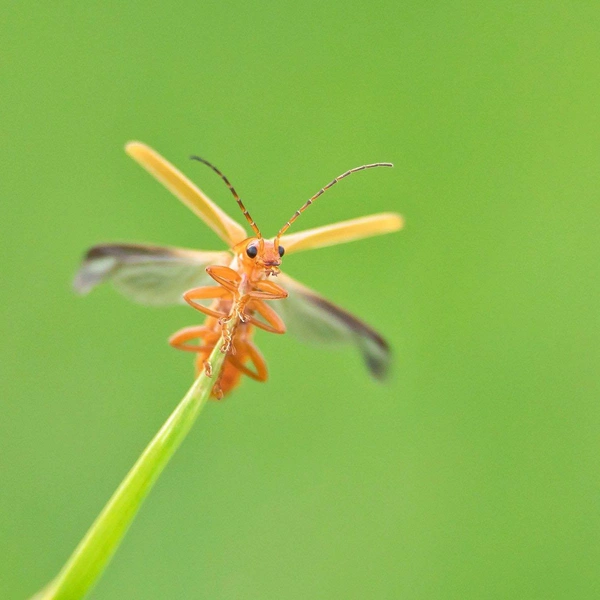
{"x": 243, "y": 277}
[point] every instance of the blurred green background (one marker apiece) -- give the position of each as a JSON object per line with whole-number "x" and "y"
{"x": 475, "y": 473}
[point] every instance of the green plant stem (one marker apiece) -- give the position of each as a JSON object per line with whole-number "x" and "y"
{"x": 95, "y": 550}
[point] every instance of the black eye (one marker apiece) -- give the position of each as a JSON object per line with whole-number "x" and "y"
{"x": 252, "y": 251}
{"x": 281, "y": 250}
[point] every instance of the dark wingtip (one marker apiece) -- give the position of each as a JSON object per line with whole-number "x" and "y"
{"x": 375, "y": 350}
{"x": 379, "y": 365}
{"x": 92, "y": 271}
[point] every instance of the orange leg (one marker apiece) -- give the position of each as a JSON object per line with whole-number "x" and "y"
{"x": 274, "y": 324}
{"x": 264, "y": 290}
{"x": 181, "y": 338}
{"x": 207, "y": 368}
{"x": 226, "y": 277}
{"x": 229, "y": 281}
{"x": 206, "y": 293}
{"x": 256, "y": 358}
{"x": 267, "y": 290}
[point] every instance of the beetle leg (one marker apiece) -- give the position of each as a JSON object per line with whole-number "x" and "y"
{"x": 256, "y": 358}
{"x": 217, "y": 391}
{"x": 225, "y": 276}
{"x": 227, "y": 345}
{"x": 207, "y": 368}
{"x": 267, "y": 290}
{"x": 273, "y": 323}
{"x": 206, "y": 293}
{"x": 263, "y": 290}
{"x": 181, "y": 338}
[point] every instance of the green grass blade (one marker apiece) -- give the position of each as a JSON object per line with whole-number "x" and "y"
{"x": 94, "y": 551}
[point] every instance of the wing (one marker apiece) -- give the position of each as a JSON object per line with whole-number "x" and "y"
{"x": 194, "y": 198}
{"x": 345, "y": 231}
{"x": 312, "y": 318}
{"x": 153, "y": 275}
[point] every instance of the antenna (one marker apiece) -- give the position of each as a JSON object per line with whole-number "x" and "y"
{"x": 322, "y": 191}
{"x": 232, "y": 190}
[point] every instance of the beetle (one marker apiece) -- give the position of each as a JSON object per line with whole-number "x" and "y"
{"x": 241, "y": 278}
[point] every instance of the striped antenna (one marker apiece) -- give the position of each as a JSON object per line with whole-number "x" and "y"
{"x": 232, "y": 190}
{"x": 322, "y": 191}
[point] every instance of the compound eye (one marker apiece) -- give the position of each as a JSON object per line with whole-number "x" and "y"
{"x": 281, "y": 250}
{"x": 252, "y": 251}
